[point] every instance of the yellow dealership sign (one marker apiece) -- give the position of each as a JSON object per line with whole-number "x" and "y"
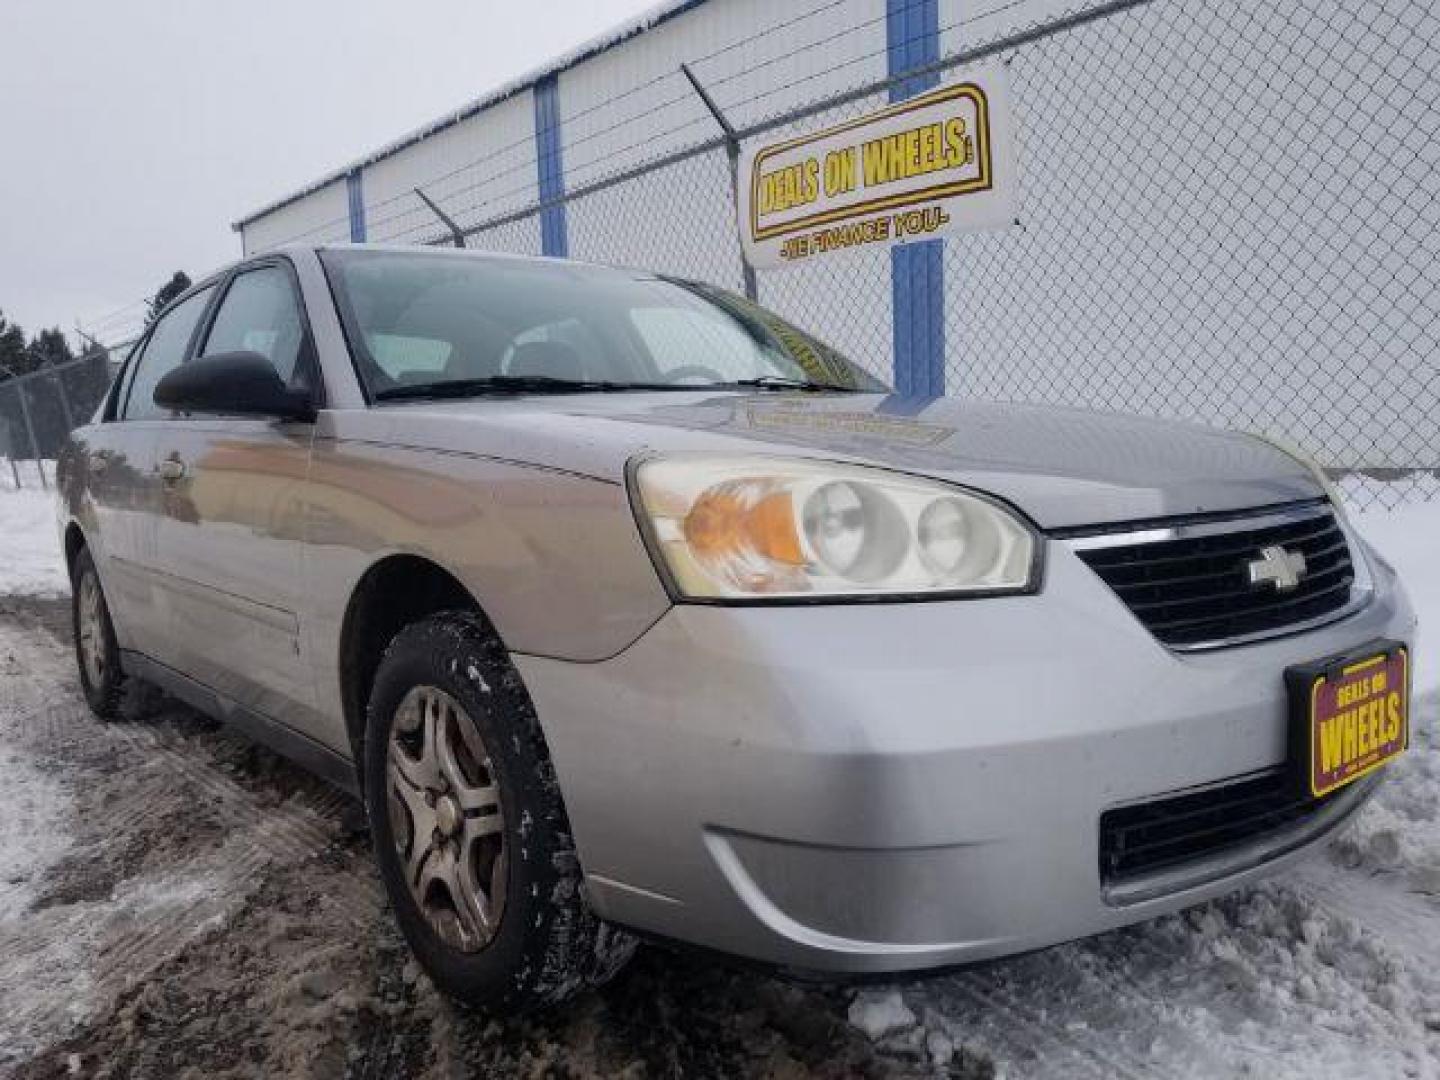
{"x": 934, "y": 164}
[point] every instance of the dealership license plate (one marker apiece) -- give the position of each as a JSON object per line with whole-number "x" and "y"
{"x": 1350, "y": 715}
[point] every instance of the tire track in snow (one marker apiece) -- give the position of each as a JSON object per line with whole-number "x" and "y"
{"x": 1018, "y": 1032}
{"x": 1407, "y": 922}
{"x": 64, "y": 961}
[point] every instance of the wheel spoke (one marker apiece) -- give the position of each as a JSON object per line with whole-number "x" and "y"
{"x": 473, "y": 904}
{"x": 469, "y": 795}
{"x": 420, "y": 850}
{"x": 467, "y": 908}
{"x": 421, "y": 772}
{"x": 499, "y": 876}
{"x": 479, "y": 826}
{"x": 422, "y": 820}
{"x": 92, "y": 642}
{"x": 417, "y": 775}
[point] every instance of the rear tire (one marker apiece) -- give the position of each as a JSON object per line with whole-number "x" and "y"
{"x": 96, "y": 652}
{"x": 469, "y": 827}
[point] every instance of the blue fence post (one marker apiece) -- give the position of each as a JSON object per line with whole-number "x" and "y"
{"x": 554, "y": 238}
{"x": 917, "y": 271}
{"x": 355, "y": 194}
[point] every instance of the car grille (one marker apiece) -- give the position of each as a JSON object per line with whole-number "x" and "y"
{"x": 1154, "y": 836}
{"x": 1195, "y": 590}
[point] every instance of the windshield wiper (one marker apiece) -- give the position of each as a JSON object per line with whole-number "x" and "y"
{"x": 511, "y": 384}
{"x": 550, "y": 384}
{"x": 785, "y": 382}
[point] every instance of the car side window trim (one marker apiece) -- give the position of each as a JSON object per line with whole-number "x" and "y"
{"x": 120, "y": 389}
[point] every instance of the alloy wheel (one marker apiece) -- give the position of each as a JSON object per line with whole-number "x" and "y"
{"x": 92, "y": 629}
{"x": 446, "y": 819}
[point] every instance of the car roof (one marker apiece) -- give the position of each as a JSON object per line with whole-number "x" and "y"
{"x": 470, "y": 253}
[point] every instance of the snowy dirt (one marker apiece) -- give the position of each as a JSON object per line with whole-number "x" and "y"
{"x": 176, "y": 902}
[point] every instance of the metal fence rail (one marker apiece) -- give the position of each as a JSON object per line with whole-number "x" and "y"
{"x": 1228, "y": 212}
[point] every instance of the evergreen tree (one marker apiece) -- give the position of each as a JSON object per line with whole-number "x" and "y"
{"x": 47, "y": 348}
{"x": 178, "y": 283}
{"x": 14, "y": 359}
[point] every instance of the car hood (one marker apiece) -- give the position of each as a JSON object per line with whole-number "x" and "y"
{"x": 1062, "y": 467}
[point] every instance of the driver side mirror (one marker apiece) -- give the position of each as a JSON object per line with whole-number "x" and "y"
{"x": 235, "y": 384}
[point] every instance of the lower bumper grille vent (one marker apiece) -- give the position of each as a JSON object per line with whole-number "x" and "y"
{"x": 1155, "y": 836}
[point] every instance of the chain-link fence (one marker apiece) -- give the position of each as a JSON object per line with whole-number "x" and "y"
{"x": 1243, "y": 229}
{"x": 1229, "y": 212}
{"x": 38, "y": 410}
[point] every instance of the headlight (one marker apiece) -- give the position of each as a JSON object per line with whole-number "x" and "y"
{"x": 757, "y": 528}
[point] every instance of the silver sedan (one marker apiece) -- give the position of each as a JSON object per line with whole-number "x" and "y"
{"x": 632, "y": 609}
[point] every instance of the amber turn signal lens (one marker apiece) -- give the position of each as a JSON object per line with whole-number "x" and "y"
{"x": 735, "y": 519}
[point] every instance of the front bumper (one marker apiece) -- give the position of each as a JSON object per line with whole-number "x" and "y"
{"x": 885, "y": 787}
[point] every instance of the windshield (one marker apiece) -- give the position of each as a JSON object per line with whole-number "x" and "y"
{"x": 420, "y": 322}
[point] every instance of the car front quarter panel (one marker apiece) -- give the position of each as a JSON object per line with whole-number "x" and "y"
{"x": 554, "y": 559}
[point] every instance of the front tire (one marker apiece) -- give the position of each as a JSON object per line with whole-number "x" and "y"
{"x": 469, "y": 827}
{"x": 97, "y": 653}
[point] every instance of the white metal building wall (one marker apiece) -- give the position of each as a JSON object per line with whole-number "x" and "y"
{"x": 478, "y": 168}
{"x": 323, "y": 216}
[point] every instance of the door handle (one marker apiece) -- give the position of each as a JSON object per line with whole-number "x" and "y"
{"x": 172, "y": 469}
{"x": 99, "y": 461}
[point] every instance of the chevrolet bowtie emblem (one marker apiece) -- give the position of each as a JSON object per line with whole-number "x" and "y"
{"x": 1277, "y": 567}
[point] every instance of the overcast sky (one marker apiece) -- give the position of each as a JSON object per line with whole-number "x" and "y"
{"x": 135, "y": 132}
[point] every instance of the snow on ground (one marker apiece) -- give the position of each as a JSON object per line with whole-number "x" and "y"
{"x": 217, "y": 914}
{"x": 28, "y": 846}
{"x": 118, "y": 848}
{"x": 30, "y": 559}
{"x": 1409, "y": 539}
{"x": 1363, "y": 494}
